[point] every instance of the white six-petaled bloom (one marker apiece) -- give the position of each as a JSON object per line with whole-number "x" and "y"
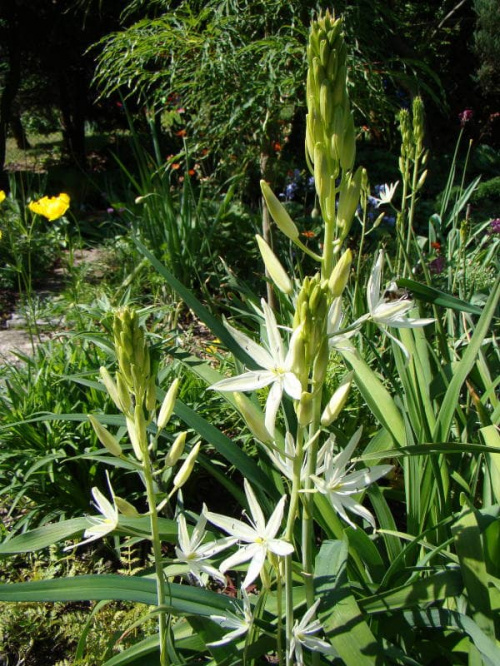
{"x": 193, "y": 552}
{"x": 276, "y": 368}
{"x": 303, "y": 635}
{"x": 339, "y": 483}
{"x": 104, "y": 524}
{"x": 261, "y": 538}
{"x": 384, "y": 312}
{"x": 239, "y": 622}
{"x": 386, "y": 193}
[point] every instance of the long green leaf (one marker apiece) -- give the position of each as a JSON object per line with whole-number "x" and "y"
{"x": 472, "y": 565}
{"x": 428, "y": 294}
{"x": 339, "y": 613}
{"x": 180, "y": 599}
{"x": 376, "y": 397}
{"x": 463, "y": 368}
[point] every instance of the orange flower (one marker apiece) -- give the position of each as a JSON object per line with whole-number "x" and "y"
{"x": 176, "y": 165}
{"x": 50, "y": 207}
{"x": 181, "y": 133}
{"x": 191, "y": 172}
{"x": 436, "y": 246}
{"x": 308, "y": 234}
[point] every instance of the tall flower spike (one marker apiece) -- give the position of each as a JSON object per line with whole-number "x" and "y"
{"x": 260, "y": 537}
{"x": 389, "y": 313}
{"x": 276, "y": 368}
{"x": 340, "y": 483}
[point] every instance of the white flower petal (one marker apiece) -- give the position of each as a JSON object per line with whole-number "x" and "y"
{"x": 273, "y": 334}
{"x": 275, "y": 520}
{"x": 255, "y": 510}
{"x": 254, "y": 350}
{"x": 248, "y": 381}
{"x": 272, "y": 406}
{"x": 233, "y": 526}
{"x": 280, "y": 547}
{"x": 242, "y": 555}
{"x": 292, "y": 385}
{"x": 255, "y": 566}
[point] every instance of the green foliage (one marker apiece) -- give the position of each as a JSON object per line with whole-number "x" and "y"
{"x": 487, "y": 44}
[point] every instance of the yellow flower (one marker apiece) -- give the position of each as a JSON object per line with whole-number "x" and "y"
{"x": 50, "y": 207}
{"x": 2, "y": 195}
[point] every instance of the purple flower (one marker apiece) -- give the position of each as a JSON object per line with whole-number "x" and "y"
{"x": 437, "y": 265}
{"x": 494, "y": 226}
{"x": 465, "y": 117}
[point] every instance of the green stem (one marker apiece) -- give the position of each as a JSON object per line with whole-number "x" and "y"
{"x": 156, "y": 541}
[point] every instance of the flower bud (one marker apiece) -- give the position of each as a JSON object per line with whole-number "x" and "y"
{"x": 305, "y": 409}
{"x": 123, "y": 393}
{"x": 187, "y": 467}
{"x": 111, "y": 388}
{"x": 278, "y": 212}
{"x": 337, "y": 401}
{"x": 105, "y": 437}
{"x": 253, "y": 417}
{"x": 348, "y": 201}
{"x": 340, "y": 274}
{"x": 274, "y": 268}
{"x": 125, "y": 508}
{"x": 168, "y": 404}
{"x": 321, "y": 364}
{"x": 421, "y": 180}
{"x": 176, "y": 450}
{"x": 134, "y": 439}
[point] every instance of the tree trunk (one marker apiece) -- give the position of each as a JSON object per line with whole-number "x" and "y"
{"x": 18, "y": 131}
{"x": 11, "y": 83}
{"x": 72, "y": 90}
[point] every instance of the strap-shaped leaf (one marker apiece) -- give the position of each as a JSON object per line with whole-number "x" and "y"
{"x": 338, "y": 611}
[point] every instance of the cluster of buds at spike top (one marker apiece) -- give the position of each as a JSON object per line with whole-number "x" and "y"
{"x": 412, "y": 141}
{"x": 310, "y": 314}
{"x": 330, "y": 133}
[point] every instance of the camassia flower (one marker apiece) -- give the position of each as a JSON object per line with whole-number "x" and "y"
{"x": 101, "y": 525}
{"x": 303, "y": 635}
{"x": 339, "y": 483}
{"x": 239, "y": 622}
{"x": 261, "y": 538}
{"x": 385, "y": 312}
{"x": 193, "y": 552}
{"x": 276, "y": 368}
{"x": 50, "y": 207}
{"x": 386, "y": 193}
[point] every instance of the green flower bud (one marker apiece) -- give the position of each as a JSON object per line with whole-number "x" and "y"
{"x": 111, "y": 388}
{"x": 134, "y": 439}
{"x": 340, "y": 274}
{"x": 105, "y": 437}
{"x": 123, "y": 393}
{"x": 321, "y": 364}
{"x": 187, "y": 467}
{"x": 274, "y": 268}
{"x": 124, "y": 507}
{"x": 278, "y": 212}
{"x": 168, "y": 404}
{"x": 253, "y": 417}
{"x": 305, "y": 409}
{"x": 348, "y": 150}
{"x": 337, "y": 401}
{"x": 176, "y": 450}
{"x": 348, "y": 201}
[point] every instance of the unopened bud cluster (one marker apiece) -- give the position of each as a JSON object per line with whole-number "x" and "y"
{"x": 412, "y": 142}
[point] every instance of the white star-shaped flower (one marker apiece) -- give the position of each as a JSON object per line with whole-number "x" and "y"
{"x": 193, "y": 552}
{"x": 384, "y": 312}
{"x": 386, "y": 194}
{"x": 104, "y": 524}
{"x": 276, "y": 368}
{"x": 239, "y": 622}
{"x": 340, "y": 483}
{"x": 261, "y": 538}
{"x": 302, "y": 635}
